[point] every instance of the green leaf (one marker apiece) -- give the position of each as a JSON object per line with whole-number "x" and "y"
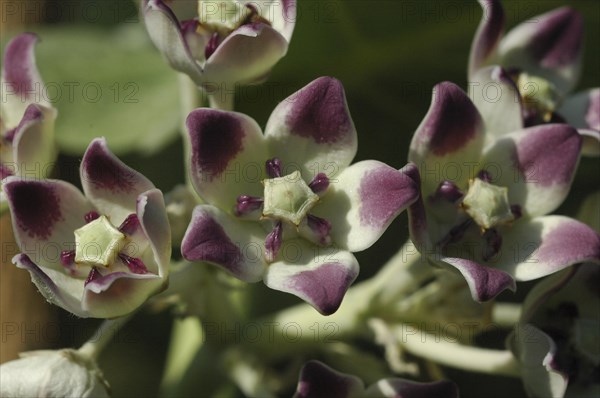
{"x": 111, "y": 83}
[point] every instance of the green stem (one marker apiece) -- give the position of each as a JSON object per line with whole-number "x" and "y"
{"x": 104, "y": 334}
{"x": 445, "y": 351}
{"x": 222, "y": 98}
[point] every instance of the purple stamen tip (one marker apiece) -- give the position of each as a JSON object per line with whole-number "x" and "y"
{"x": 320, "y": 183}
{"x": 9, "y": 136}
{"x": 273, "y": 242}
{"x": 130, "y": 224}
{"x": 67, "y": 257}
{"x": 273, "y": 167}
{"x": 93, "y": 275}
{"x": 135, "y": 265}
{"x": 483, "y": 175}
{"x": 247, "y": 204}
{"x": 447, "y": 190}
{"x": 516, "y": 211}
{"x": 212, "y": 45}
{"x": 91, "y": 216}
{"x": 493, "y": 242}
{"x": 320, "y": 228}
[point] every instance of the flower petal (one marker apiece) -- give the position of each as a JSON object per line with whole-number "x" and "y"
{"x": 33, "y": 142}
{"x": 21, "y": 82}
{"x": 44, "y": 215}
{"x": 536, "y": 352}
{"x": 56, "y": 287}
{"x": 228, "y": 156}
{"x": 536, "y": 164}
{"x": 449, "y": 140}
{"x": 215, "y": 237}
{"x": 364, "y": 199}
{"x": 164, "y": 30}
{"x": 245, "y": 56}
{"x": 320, "y": 276}
{"x": 550, "y": 47}
{"x": 543, "y": 245}
{"x": 582, "y": 111}
{"x": 489, "y": 32}
{"x": 484, "y": 282}
{"x": 153, "y": 218}
{"x": 319, "y": 380}
{"x": 312, "y": 129}
{"x": 498, "y": 101}
{"x": 118, "y": 293}
{"x": 392, "y": 388}
{"x": 281, "y": 14}
{"x": 111, "y": 185}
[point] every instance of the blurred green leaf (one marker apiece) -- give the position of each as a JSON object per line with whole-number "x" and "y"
{"x": 111, "y": 83}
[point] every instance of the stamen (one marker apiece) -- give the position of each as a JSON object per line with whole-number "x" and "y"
{"x": 273, "y": 167}
{"x": 493, "y": 242}
{"x": 212, "y": 45}
{"x": 93, "y": 275}
{"x": 320, "y": 183}
{"x": 320, "y": 228}
{"x": 273, "y": 242}
{"x": 447, "y": 190}
{"x": 483, "y": 175}
{"x": 130, "y": 224}
{"x": 247, "y": 204}
{"x": 135, "y": 265}
{"x": 91, "y": 216}
{"x": 456, "y": 233}
{"x": 67, "y": 258}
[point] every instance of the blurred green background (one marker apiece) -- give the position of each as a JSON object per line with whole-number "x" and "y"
{"x": 108, "y": 80}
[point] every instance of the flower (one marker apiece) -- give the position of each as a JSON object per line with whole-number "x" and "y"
{"x": 541, "y": 64}
{"x": 556, "y": 338}
{"x": 224, "y": 41}
{"x": 293, "y": 185}
{"x": 483, "y": 203}
{"x": 62, "y": 373}
{"x": 26, "y": 118}
{"x": 99, "y": 255}
{"x": 317, "y": 380}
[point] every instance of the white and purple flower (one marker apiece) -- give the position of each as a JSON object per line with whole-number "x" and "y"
{"x": 318, "y": 380}
{"x": 540, "y": 62}
{"x": 286, "y": 207}
{"x": 100, "y": 255}
{"x": 484, "y": 202}
{"x": 26, "y": 118}
{"x": 224, "y": 41}
{"x": 556, "y": 338}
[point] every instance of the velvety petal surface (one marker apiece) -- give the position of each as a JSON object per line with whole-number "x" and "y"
{"x": 21, "y": 82}
{"x": 281, "y": 14}
{"x": 44, "y": 215}
{"x": 312, "y": 129}
{"x": 447, "y": 144}
{"x": 236, "y": 246}
{"x": 400, "y": 388}
{"x": 152, "y": 214}
{"x": 544, "y": 245}
{"x": 489, "y": 32}
{"x": 111, "y": 185}
{"x": 164, "y": 30}
{"x": 364, "y": 199}
{"x": 549, "y": 46}
{"x": 228, "y": 156}
{"x": 245, "y": 56}
{"x": 536, "y": 352}
{"x": 498, "y": 101}
{"x": 33, "y": 144}
{"x": 56, "y": 287}
{"x": 318, "y": 380}
{"x": 582, "y": 111}
{"x": 537, "y": 165}
{"x": 320, "y": 276}
{"x": 484, "y": 282}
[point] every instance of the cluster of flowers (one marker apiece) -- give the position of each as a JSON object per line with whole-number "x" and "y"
{"x": 296, "y": 226}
